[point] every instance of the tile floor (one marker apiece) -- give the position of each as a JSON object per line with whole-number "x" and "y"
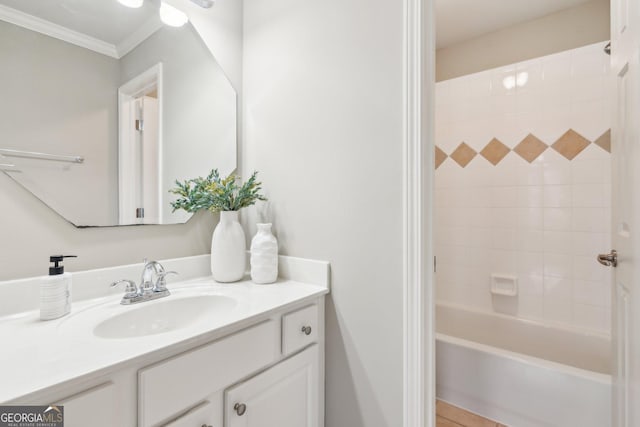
{"x": 450, "y": 416}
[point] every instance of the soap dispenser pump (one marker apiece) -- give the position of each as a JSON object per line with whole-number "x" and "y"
{"x": 55, "y": 290}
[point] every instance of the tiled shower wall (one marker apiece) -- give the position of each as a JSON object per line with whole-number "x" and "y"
{"x": 523, "y": 184}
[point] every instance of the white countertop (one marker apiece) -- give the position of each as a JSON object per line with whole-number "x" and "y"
{"x": 38, "y": 354}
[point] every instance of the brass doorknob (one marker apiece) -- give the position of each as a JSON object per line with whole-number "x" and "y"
{"x": 609, "y": 260}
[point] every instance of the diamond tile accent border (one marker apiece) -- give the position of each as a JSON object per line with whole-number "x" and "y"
{"x": 463, "y": 154}
{"x": 530, "y": 148}
{"x": 569, "y": 145}
{"x": 495, "y": 151}
{"x": 604, "y": 141}
{"x": 440, "y": 157}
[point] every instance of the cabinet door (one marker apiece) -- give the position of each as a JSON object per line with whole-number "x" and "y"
{"x": 95, "y": 407}
{"x": 285, "y": 395}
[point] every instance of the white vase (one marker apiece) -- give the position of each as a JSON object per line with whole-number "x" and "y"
{"x": 264, "y": 256}
{"x": 228, "y": 249}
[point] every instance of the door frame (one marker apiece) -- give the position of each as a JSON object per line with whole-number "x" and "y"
{"x": 127, "y": 93}
{"x": 418, "y": 178}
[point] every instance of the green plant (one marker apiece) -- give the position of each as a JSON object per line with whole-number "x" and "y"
{"x": 216, "y": 194}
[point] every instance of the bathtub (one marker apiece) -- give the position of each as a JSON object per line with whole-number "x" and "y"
{"x": 521, "y": 373}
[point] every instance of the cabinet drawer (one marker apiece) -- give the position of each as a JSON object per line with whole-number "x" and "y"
{"x": 201, "y": 415}
{"x": 169, "y": 387}
{"x": 94, "y": 407}
{"x": 299, "y": 329}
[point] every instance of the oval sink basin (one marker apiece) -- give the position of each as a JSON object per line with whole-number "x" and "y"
{"x": 157, "y": 317}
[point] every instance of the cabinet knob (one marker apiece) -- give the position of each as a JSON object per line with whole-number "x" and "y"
{"x": 306, "y": 330}
{"x": 240, "y": 408}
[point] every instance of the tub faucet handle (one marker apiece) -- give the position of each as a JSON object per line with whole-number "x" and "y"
{"x": 609, "y": 260}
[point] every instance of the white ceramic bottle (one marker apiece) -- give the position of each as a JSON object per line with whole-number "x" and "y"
{"x": 55, "y": 290}
{"x": 264, "y": 256}
{"x": 228, "y": 249}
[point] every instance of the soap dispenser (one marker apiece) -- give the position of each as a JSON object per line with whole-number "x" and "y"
{"x": 55, "y": 290}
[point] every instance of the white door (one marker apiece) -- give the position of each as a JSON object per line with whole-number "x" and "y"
{"x": 283, "y": 396}
{"x": 625, "y": 44}
{"x": 139, "y": 159}
{"x": 150, "y": 172}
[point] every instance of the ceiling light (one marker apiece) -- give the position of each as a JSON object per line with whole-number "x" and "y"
{"x": 131, "y": 3}
{"x": 522, "y": 78}
{"x": 519, "y": 80}
{"x": 509, "y": 82}
{"x": 172, "y": 16}
{"x": 203, "y": 3}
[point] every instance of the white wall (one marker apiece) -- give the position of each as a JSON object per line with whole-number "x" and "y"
{"x": 543, "y": 222}
{"x": 323, "y": 126}
{"x": 30, "y": 232}
{"x": 578, "y": 26}
{"x": 199, "y": 109}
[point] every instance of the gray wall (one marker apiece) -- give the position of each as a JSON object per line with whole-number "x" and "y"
{"x": 579, "y": 26}
{"x": 30, "y": 231}
{"x": 60, "y": 98}
{"x": 323, "y": 125}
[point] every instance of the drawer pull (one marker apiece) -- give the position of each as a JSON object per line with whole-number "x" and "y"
{"x": 306, "y": 330}
{"x": 204, "y": 425}
{"x": 240, "y": 408}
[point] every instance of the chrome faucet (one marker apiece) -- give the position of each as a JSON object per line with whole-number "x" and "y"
{"x": 148, "y": 289}
{"x": 146, "y": 281}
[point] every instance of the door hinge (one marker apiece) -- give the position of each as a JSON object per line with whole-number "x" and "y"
{"x": 139, "y": 212}
{"x": 435, "y": 262}
{"x": 139, "y": 125}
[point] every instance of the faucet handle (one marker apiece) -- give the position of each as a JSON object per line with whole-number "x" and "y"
{"x": 131, "y": 289}
{"x": 161, "y": 283}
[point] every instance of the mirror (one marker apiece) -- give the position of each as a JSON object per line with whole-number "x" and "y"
{"x": 103, "y": 107}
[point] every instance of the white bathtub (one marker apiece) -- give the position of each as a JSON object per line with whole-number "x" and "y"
{"x": 521, "y": 373}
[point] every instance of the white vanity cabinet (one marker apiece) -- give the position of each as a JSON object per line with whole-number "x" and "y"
{"x": 97, "y": 404}
{"x": 285, "y": 395}
{"x": 181, "y": 361}
{"x": 184, "y": 381}
{"x": 206, "y": 414}
{"x": 271, "y": 365}
{"x": 268, "y": 374}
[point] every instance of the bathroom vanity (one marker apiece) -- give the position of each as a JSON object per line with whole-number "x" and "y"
{"x": 210, "y": 354}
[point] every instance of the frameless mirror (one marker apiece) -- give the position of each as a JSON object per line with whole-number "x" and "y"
{"x": 103, "y": 108}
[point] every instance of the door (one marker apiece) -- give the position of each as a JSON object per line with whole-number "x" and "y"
{"x": 139, "y": 148}
{"x": 283, "y": 396}
{"x": 139, "y": 180}
{"x": 625, "y": 44}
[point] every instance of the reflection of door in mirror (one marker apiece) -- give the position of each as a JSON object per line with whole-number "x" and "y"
{"x": 140, "y": 139}
{"x": 65, "y": 85}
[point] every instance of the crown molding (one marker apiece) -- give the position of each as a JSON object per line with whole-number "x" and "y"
{"x": 59, "y": 32}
